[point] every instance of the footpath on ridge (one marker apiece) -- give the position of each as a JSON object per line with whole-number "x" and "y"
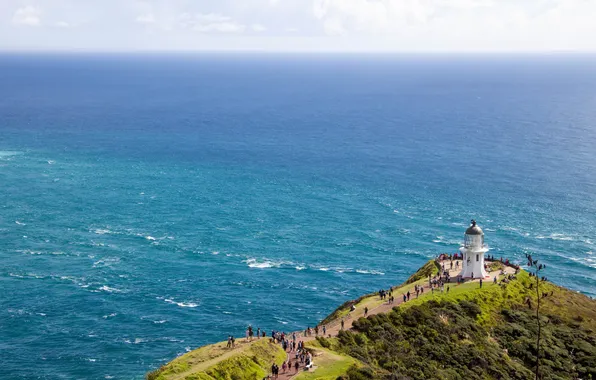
{"x": 249, "y": 357}
{"x": 374, "y": 308}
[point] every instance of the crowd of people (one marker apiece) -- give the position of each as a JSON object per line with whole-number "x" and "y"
{"x": 299, "y": 357}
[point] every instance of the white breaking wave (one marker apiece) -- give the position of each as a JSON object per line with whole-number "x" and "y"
{"x": 7, "y": 154}
{"x": 108, "y": 289}
{"x": 26, "y": 275}
{"x": 370, "y": 272}
{"x": 253, "y": 263}
{"x": 30, "y": 252}
{"x": 181, "y": 304}
{"x": 102, "y": 231}
{"x": 107, "y": 262}
{"x": 555, "y": 236}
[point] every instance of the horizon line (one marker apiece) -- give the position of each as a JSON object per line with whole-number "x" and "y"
{"x": 305, "y": 51}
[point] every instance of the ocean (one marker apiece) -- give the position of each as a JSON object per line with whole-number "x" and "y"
{"x": 154, "y": 203}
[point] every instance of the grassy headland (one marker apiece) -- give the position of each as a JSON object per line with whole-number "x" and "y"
{"x": 469, "y": 332}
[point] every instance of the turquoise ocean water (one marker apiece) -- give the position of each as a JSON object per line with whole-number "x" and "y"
{"x": 153, "y": 204}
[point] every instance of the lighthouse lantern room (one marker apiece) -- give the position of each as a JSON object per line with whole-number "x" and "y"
{"x": 473, "y": 251}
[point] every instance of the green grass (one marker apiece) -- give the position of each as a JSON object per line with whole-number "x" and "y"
{"x": 492, "y": 327}
{"x": 328, "y": 365}
{"x": 246, "y": 361}
{"x": 501, "y": 319}
{"x": 373, "y": 300}
{"x": 492, "y": 298}
{"x": 431, "y": 268}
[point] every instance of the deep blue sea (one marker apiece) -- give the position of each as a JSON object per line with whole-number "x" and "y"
{"x": 151, "y": 204}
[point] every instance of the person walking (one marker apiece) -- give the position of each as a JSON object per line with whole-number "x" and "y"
{"x": 365, "y": 311}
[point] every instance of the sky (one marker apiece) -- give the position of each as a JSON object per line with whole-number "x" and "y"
{"x": 299, "y": 25}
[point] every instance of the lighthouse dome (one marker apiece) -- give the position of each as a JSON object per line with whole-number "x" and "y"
{"x": 474, "y": 229}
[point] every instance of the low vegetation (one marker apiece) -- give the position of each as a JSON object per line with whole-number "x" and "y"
{"x": 371, "y": 300}
{"x": 328, "y": 365}
{"x": 465, "y": 332}
{"x": 474, "y": 333}
{"x": 249, "y": 361}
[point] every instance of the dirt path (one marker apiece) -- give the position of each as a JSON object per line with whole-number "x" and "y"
{"x": 334, "y": 327}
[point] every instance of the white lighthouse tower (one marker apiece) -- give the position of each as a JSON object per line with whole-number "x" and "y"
{"x": 473, "y": 251}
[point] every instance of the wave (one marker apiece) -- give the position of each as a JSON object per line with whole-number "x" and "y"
{"x": 181, "y": 304}
{"x": 136, "y": 341}
{"x": 102, "y": 231}
{"x": 20, "y": 223}
{"x": 110, "y": 316}
{"x": 108, "y": 289}
{"x": 30, "y": 252}
{"x": 107, "y": 262}
{"x": 508, "y": 228}
{"x": 589, "y": 262}
{"x": 265, "y": 264}
{"x": 26, "y": 275}
{"x": 8, "y": 154}
{"x": 555, "y": 236}
{"x": 375, "y": 272}
{"x": 253, "y": 263}
{"x": 443, "y": 241}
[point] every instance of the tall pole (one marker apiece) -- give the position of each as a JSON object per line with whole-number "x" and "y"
{"x": 539, "y": 326}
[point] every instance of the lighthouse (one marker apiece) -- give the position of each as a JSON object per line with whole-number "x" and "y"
{"x": 473, "y": 251}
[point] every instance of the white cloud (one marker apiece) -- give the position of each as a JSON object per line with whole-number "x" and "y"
{"x": 322, "y": 25}
{"x": 28, "y": 16}
{"x": 63, "y": 24}
{"x": 145, "y": 18}
{"x": 258, "y": 28}
{"x": 333, "y": 26}
{"x": 210, "y": 23}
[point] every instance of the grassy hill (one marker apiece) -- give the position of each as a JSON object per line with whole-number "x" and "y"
{"x": 474, "y": 333}
{"x": 249, "y": 361}
{"x": 466, "y": 333}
